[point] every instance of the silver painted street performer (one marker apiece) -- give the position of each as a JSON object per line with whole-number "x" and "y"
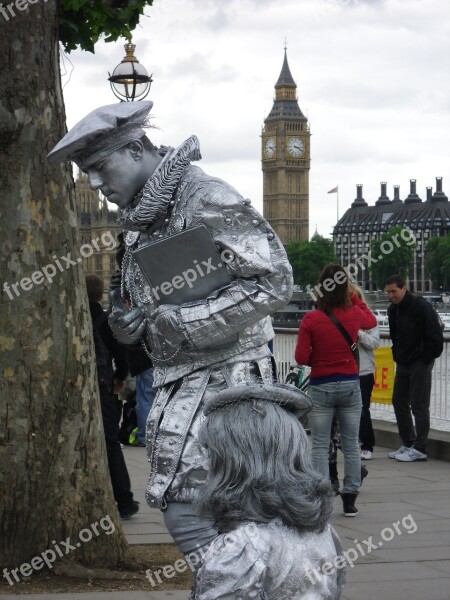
{"x": 197, "y": 348}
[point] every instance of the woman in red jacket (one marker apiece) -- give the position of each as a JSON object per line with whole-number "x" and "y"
{"x": 334, "y": 383}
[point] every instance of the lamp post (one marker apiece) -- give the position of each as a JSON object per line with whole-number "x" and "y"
{"x": 130, "y": 80}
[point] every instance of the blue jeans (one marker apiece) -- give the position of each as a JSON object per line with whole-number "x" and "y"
{"x": 344, "y": 397}
{"x": 144, "y": 400}
{"x": 189, "y": 531}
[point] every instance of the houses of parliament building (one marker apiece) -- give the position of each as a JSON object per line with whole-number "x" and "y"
{"x": 362, "y": 223}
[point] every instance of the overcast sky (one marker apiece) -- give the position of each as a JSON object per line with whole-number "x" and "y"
{"x": 372, "y": 77}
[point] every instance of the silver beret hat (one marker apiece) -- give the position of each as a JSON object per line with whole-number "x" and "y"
{"x": 102, "y": 132}
{"x": 287, "y": 396}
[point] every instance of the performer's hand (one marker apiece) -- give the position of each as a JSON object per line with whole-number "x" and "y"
{"x": 128, "y": 325}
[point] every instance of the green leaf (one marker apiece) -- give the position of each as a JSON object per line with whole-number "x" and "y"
{"x": 82, "y": 22}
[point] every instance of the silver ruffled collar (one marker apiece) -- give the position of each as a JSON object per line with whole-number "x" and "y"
{"x": 152, "y": 203}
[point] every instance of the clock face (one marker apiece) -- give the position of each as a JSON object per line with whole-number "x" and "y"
{"x": 295, "y": 147}
{"x": 270, "y": 147}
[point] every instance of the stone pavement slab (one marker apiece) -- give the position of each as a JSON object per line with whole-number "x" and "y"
{"x": 147, "y": 527}
{"x": 401, "y": 536}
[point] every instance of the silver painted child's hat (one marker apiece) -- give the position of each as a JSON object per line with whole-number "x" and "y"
{"x": 287, "y": 396}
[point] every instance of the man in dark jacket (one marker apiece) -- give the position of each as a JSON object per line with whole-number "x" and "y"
{"x": 110, "y": 382}
{"x": 417, "y": 339}
{"x": 141, "y": 367}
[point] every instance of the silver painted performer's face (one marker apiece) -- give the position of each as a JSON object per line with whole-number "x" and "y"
{"x": 116, "y": 176}
{"x": 122, "y": 174}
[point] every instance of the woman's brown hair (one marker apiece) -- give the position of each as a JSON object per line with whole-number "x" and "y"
{"x": 333, "y": 293}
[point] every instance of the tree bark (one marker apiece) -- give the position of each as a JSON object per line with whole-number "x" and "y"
{"x": 54, "y": 479}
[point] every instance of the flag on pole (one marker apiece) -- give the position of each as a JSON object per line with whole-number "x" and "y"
{"x": 334, "y": 190}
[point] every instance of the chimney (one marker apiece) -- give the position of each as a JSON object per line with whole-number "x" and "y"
{"x": 439, "y": 194}
{"x": 359, "y": 200}
{"x": 412, "y": 196}
{"x": 429, "y": 192}
{"x": 396, "y": 194}
{"x": 384, "y": 198}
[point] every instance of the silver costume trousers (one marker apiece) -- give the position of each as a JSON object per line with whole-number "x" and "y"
{"x": 178, "y": 463}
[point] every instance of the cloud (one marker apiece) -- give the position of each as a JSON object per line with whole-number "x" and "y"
{"x": 199, "y": 66}
{"x": 372, "y": 77}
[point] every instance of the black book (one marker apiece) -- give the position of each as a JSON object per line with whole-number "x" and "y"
{"x": 184, "y": 267}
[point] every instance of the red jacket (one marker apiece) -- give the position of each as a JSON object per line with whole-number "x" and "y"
{"x": 322, "y": 346}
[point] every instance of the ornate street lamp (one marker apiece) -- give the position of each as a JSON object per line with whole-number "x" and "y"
{"x": 130, "y": 80}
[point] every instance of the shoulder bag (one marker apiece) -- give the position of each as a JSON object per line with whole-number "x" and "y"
{"x": 350, "y": 342}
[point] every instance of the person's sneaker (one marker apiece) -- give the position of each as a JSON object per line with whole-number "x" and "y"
{"x": 137, "y": 444}
{"x": 397, "y": 452}
{"x": 366, "y": 455}
{"x": 130, "y": 510}
{"x": 411, "y": 455}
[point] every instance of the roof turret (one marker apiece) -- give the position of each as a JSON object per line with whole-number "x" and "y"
{"x": 413, "y": 195}
{"x": 359, "y": 200}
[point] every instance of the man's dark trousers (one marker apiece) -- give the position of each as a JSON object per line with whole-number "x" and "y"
{"x": 412, "y": 391}
{"x": 366, "y": 434}
{"x": 117, "y": 468}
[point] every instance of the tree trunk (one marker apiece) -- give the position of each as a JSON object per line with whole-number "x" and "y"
{"x": 54, "y": 479}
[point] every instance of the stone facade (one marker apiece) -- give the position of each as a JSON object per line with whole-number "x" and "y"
{"x": 362, "y": 223}
{"x": 96, "y": 222}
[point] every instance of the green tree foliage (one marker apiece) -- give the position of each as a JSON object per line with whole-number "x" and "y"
{"x": 438, "y": 261}
{"x": 393, "y": 253}
{"x": 309, "y": 258}
{"x": 82, "y": 22}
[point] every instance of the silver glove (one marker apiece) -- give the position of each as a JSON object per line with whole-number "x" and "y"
{"x": 128, "y": 325}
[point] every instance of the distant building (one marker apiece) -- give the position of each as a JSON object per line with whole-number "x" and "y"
{"x": 362, "y": 223}
{"x": 286, "y": 158}
{"x": 95, "y": 220}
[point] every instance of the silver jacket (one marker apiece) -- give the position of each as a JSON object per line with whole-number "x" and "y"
{"x": 201, "y": 347}
{"x": 232, "y": 320}
{"x": 272, "y": 562}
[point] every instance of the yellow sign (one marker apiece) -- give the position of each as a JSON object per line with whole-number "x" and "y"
{"x": 384, "y": 376}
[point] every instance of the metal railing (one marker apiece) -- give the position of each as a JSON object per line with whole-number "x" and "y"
{"x": 284, "y": 348}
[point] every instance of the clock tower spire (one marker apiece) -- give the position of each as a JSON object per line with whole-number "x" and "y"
{"x": 286, "y": 162}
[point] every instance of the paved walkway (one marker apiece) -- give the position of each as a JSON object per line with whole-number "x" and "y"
{"x": 400, "y": 541}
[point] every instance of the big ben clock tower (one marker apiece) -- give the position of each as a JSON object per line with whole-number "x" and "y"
{"x": 285, "y": 162}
